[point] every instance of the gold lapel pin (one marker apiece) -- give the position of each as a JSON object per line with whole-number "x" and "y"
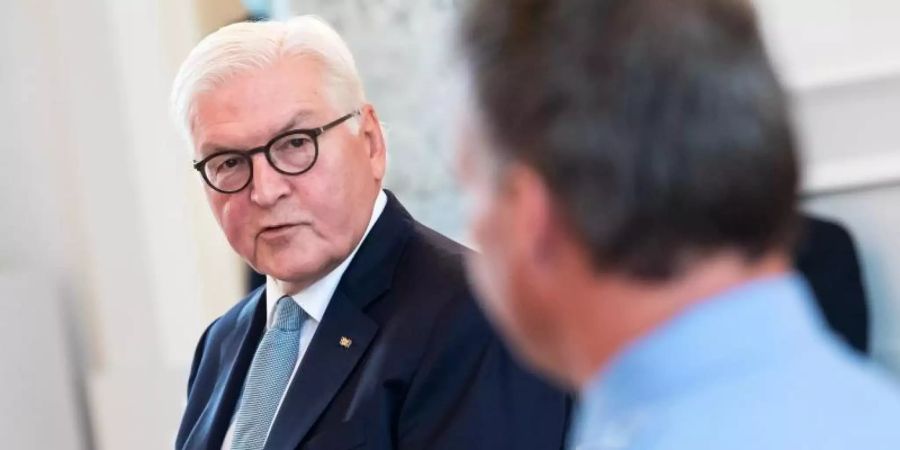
{"x": 346, "y": 342}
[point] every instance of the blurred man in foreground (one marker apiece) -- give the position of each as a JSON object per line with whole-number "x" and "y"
{"x": 365, "y": 334}
{"x": 635, "y": 186}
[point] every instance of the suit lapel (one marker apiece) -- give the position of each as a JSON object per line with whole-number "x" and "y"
{"x": 237, "y": 354}
{"x": 345, "y": 332}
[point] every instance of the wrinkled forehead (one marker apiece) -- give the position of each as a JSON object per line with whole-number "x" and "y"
{"x": 248, "y": 108}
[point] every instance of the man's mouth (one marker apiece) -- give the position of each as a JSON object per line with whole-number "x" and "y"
{"x": 277, "y": 230}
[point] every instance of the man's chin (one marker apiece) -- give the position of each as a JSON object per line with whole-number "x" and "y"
{"x": 289, "y": 270}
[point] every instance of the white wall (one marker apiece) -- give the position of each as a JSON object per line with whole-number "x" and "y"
{"x": 101, "y": 210}
{"x": 41, "y": 405}
{"x": 41, "y": 402}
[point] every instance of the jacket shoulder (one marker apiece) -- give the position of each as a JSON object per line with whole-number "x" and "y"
{"x": 435, "y": 261}
{"x": 222, "y": 326}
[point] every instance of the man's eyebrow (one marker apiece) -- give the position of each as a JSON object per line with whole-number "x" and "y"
{"x": 299, "y": 117}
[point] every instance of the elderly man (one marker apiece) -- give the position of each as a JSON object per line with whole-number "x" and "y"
{"x": 636, "y": 188}
{"x": 365, "y": 335}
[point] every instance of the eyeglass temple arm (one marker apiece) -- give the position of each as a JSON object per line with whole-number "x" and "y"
{"x": 337, "y": 122}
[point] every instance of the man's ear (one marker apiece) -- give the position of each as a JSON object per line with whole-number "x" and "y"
{"x": 372, "y": 134}
{"x": 535, "y": 214}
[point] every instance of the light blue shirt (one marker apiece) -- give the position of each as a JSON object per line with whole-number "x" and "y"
{"x": 751, "y": 369}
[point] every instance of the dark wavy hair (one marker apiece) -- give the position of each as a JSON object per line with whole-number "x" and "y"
{"x": 659, "y": 125}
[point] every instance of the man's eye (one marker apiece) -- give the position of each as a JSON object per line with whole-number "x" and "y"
{"x": 298, "y": 142}
{"x": 230, "y": 163}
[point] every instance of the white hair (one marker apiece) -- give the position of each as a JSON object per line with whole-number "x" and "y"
{"x": 246, "y": 46}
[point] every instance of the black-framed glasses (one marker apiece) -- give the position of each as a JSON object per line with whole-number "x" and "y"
{"x": 291, "y": 153}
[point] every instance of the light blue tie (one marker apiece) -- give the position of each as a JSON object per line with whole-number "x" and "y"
{"x": 268, "y": 377}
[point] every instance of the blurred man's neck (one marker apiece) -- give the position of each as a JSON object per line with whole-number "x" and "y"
{"x": 615, "y": 311}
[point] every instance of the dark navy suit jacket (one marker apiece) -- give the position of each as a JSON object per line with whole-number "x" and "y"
{"x": 424, "y": 370}
{"x": 826, "y": 255}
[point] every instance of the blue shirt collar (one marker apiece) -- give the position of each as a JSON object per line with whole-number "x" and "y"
{"x": 747, "y": 327}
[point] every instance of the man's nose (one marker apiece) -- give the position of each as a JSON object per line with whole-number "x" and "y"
{"x": 268, "y": 185}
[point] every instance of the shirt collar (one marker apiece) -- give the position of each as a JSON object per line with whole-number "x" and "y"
{"x": 315, "y": 298}
{"x": 749, "y": 327}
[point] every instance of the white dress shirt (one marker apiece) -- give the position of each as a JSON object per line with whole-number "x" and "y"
{"x": 313, "y": 300}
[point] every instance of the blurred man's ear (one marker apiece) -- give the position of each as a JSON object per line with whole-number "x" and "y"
{"x": 548, "y": 243}
{"x": 537, "y": 227}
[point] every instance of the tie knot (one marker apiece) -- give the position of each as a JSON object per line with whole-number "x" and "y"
{"x": 288, "y": 315}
